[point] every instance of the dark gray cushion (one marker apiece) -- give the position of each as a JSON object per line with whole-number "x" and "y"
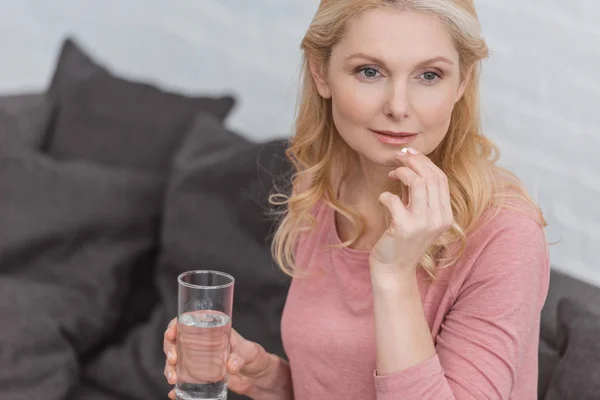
{"x": 114, "y": 121}
{"x": 577, "y": 374}
{"x": 24, "y": 120}
{"x": 70, "y": 233}
{"x": 215, "y": 217}
{"x": 548, "y": 358}
{"x": 133, "y": 368}
{"x": 562, "y": 285}
{"x": 89, "y": 392}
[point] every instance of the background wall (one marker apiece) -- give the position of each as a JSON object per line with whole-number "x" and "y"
{"x": 540, "y": 89}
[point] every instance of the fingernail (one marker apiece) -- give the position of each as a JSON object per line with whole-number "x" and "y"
{"x": 402, "y": 152}
{"x": 170, "y": 355}
{"x": 236, "y": 364}
{"x": 411, "y": 150}
{"x": 169, "y": 376}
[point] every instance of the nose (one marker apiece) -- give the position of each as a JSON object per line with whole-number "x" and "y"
{"x": 397, "y": 103}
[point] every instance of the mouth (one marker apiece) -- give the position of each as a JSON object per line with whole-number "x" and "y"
{"x": 394, "y": 138}
{"x": 396, "y": 134}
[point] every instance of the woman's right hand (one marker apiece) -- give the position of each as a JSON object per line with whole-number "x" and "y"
{"x": 247, "y": 363}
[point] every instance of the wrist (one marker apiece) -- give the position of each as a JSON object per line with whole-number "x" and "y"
{"x": 397, "y": 279}
{"x": 275, "y": 383}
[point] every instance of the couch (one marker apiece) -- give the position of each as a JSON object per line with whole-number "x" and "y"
{"x": 110, "y": 188}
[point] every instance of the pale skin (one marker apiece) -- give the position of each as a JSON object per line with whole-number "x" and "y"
{"x": 393, "y": 71}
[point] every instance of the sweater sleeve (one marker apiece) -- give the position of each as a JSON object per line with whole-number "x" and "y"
{"x": 492, "y": 324}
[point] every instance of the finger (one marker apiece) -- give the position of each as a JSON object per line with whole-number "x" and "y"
{"x": 404, "y": 193}
{"x": 170, "y": 337}
{"x": 171, "y": 332}
{"x": 434, "y": 201}
{"x": 424, "y": 167}
{"x": 169, "y": 348}
{"x": 240, "y": 384}
{"x": 234, "y": 363}
{"x": 437, "y": 187}
{"x": 444, "y": 192}
{"x": 416, "y": 161}
{"x": 248, "y": 357}
{"x": 172, "y": 356}
{"x": 395, "y": 206}
{"x": 170, "y": 374}
{"x": 172, "y": 395}
{"x": 417, "y": 188}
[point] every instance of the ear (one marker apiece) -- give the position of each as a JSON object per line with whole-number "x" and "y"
{"x": 464, "y": 83}
{"x": 316, "y": 70}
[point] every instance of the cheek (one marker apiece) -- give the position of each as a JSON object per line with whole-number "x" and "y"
{"x": 354, "y": 104}
{"x": 433, "y": 107}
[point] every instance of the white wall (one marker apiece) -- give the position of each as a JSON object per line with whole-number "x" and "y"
{"x": 541, "y": 92}
{"x": 241, "y": 46}
{"x": 542, "y": 103}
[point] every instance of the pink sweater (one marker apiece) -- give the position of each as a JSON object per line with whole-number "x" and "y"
{"x": 484, "y": 315}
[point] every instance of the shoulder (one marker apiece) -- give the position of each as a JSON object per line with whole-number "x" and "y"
{"x": 512, "y": 227}
{"x": 510, "y": 218}
{"x": 510, "y": 212}
{"x": 508, "y": 250}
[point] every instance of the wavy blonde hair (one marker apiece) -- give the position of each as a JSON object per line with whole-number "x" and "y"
{"x": 467, "y": 157}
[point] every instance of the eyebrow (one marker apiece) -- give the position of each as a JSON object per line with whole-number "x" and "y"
{"x": 422, "y": 63}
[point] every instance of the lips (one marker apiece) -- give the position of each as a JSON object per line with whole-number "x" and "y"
{"x": 394, "y": 138}
{"x": 396, "y": 134}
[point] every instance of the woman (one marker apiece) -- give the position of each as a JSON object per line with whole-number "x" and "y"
{"x": 420, "y": 266}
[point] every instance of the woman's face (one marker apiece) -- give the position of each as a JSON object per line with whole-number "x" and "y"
{"x": 393, "y": 81}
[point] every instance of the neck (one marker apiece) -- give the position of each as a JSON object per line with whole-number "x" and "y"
{"x": 360, "y": 189}
{"x": 366, "y": 183}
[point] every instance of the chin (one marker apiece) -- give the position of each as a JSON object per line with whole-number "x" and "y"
{"x": 385, "y": 158}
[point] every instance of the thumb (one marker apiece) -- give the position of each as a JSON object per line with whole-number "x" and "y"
{"x": 247, "y": 357}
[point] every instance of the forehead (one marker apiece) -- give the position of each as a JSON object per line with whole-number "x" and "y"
{"x": 397, "y": 37}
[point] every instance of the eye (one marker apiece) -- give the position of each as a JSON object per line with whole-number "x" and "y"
{"x": 368, "y": 73}
{"x": 430, "y": 76}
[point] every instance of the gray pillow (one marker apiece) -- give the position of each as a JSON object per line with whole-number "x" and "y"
{"x": 133, "y": 368}
{"x": 24, "y": 120}
{"x": 215, "y": 217}
{"x": 577, "y": 374}
{"x": 115, "y": 121}
{"x": 548, "y": 358}
{"x": 70, "y": 233}
{"x": 562, "y": 285}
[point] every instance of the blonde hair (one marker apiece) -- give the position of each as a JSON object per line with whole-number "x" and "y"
{"x": 466, "y": 156}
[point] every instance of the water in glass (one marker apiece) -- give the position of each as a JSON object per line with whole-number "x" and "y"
{"x": 202, "y": 350}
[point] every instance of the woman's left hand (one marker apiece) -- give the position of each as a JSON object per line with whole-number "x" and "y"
{"x": 414, "y": 226}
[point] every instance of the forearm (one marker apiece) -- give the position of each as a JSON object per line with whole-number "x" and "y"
{"x": 276, "y": 383}
{"x": 403, "y": 337}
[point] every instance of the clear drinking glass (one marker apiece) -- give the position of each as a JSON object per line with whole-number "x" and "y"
{"x": 203, "y": 332}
